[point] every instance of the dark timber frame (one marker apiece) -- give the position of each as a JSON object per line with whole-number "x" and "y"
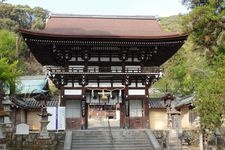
{"x": 124, "y": 64}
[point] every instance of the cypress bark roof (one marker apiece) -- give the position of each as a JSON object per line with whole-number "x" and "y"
{"x": 137, "y": 27}
{"x": 105, "y": 26}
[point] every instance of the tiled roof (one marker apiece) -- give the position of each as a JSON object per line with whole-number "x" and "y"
{"x": 31, "y": 103}
{"x": 156, "y": 103}
{"x": 185, "y": 101}
{"x": 179, "y": 102}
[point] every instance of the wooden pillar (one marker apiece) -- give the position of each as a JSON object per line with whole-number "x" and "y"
{"x": 127, "y": 113}
{"x": 122, "y": 113}
{"x": 83, "y": 109}
{"x": 124, "y": 110}
{"x": 61, "y": 93}
{"x": 146, "y": 121}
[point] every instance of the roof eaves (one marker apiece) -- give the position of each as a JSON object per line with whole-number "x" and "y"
{"x": 180, "y": 36}
{"x": 187, "y": 100}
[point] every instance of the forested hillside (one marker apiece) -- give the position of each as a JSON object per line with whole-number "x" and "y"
{"x": 13, "y": 17}
{"x": 172, "y": 23}
{"x": 198, "y": 67}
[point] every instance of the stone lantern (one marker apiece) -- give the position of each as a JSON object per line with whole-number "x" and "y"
{"x": 4, "y": 114}
{"x": 2, "y": 124}
{"x": 168, "y": 100}
{"x": 7, "y": 119}
{"x": 44, "y": 122}
{"x": 173, "y": 123}
{"x": 175, "y": 117}
{"x": 42, "y": 98}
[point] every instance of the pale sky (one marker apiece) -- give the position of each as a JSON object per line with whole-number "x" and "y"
{"x": 159, "y": 8}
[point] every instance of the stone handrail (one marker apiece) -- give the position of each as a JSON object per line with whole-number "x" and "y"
{"x": 153, "y": 140}
{"x": 68, "y": 141}
{"x": 110, "y": 132}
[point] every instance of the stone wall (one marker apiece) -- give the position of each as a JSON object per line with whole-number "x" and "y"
{"x": 189, "y": 138}
{"x": 31, "y": 141}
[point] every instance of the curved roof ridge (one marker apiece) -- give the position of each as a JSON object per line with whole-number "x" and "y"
{"x": 135, "y": 17}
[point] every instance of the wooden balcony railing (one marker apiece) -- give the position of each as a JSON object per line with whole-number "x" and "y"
{"x": 105, "y": 70}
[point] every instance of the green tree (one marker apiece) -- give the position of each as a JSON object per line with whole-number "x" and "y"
{"x": 13, "y": 17}
{"x": 7, "y": 44}
{"x": 206, "y": 30}
{"x": 172, "y": 23}
{"x": 196, "y": 3}
{"x": 6, "y": 23}
{"x": 9, "y": 68}
{"x": 204, "y": 27}
{"x": 199, "y": 66}
{"x": 8, "y": 74}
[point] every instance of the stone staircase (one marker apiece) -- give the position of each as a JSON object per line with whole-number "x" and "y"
{"x": 118, "y": 139}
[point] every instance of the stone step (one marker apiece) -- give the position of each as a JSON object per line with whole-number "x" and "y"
{"x": 107, "y": 133}
{"x": 111, "y": 146}
{"x": 114, "y": 131}
{"x": 101, "y": 140}
{"x": 109, "y": 137}
{"x": 94, "y": 147}
{"x": 110, "y": 142}
{"x": 114, "y": 140}
{"x": 114, "y": 143}
{"x": 133, "y": 148}
{"x": 90, "y": 137}
{"x": 116, "y": 136}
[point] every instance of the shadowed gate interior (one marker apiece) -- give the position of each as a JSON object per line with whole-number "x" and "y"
{"x": 103, "y": 108}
